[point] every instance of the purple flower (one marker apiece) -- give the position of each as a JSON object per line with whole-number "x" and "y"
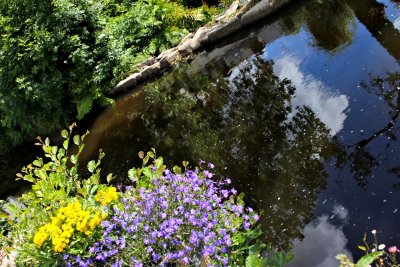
{"x": 176, "y": 217}
{"x": 208, "y": 174}
{"x": 256, "y": 218}
{"x": 233, "y": 190}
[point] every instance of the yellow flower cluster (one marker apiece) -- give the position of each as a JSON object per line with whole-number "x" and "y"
{"x": 106, "y": 196}
{"x": 68, "y": 220}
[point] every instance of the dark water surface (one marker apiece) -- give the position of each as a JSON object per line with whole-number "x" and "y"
{"x": 301, "y": 112}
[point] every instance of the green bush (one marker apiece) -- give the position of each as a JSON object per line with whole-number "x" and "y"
{"x": 60, "y": 57}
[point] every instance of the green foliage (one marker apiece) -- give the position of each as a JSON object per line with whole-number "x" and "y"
{"x": 60, "y": 57}
{"x": 55, "y": 184}
{"x": 364, "y": 261}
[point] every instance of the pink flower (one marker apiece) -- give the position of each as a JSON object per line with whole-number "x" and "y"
{"x": 393, "y": 249}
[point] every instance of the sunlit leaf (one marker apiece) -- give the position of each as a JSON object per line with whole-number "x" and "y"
{"x": 64, "y": 133}
{"x": 366, "y": 260}
{"x": 91, "y": 166}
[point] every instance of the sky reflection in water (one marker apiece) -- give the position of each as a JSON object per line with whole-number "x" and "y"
{"x": 329, "y": 183}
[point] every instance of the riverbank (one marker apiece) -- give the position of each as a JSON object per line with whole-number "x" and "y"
{"x": 234, "y": 19}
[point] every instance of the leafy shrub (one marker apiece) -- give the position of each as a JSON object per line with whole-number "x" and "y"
{"x": 62, "y": 212}
{"x": 60, "y": 57}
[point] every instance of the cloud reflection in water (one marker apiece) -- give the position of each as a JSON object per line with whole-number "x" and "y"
{"x": 322, "y": 242}
{"x": 328, "y": 107}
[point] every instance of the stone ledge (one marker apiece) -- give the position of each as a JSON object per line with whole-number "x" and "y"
{"x": 234, "y": 19}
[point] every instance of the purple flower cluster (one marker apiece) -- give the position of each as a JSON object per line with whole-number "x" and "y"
{"x": 179, "y": 218}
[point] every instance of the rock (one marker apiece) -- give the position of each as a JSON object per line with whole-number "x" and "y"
{"x": 147, "y": 62}
{"x": 172, "y": 56}
{"x": 150, "y": 71}
{"x": 219, "y": 32}
{"x": 262, "y": 9}
{"x": 126, "y": 83}
{"x": 204, "y": 35}
{"x": 9, "y": 260}
{"x": 232, "y": 8}
{"x": 200, "y": 36}
{"x": 187, "y": 37}
{"x": 185, "y": 48}
{"x": 166, "y": 52}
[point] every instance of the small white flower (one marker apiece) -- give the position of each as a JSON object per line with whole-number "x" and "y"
{"x": 373, "y": 232}
{"x": 373, "y": 250}
{"x": 381, "y": 246}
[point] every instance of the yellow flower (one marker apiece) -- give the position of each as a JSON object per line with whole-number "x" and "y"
{"x": 106, "y": 196}
{"x": 69, "y": 219}
{"x": 40, "y": 236}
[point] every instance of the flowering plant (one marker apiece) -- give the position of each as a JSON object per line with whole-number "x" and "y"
{"x": 174, "y": 217}
{"x": 375, "y": 254}
{"x": 184, "y": 216}
{"x": 62, "y": 212}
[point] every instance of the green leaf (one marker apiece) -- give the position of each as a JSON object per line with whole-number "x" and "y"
{"x": 150, "y": 154}
{"x": 145, "y": 160}
{"x": 64, "y": 133}
{"x": 159, "y": 162}
{"x": 148, "y": 172}
{"x": 74, "y": 159}
{"x": 109, "y": 177}
{"x": 94, "y": 189}
{"x": 54, "y": 150}
{"x": 254, "y": 261}
{"x": 362, "y": 248}
{"x": 38, "y": 162}
{"x": 95, "y": 179}
{"x": 77, "y": 140}
{"x": 65, "y": 144}
{"x": 366, "y": 260}
{"x": 177, "y": 170}
{"x": 280, "y": 259}
{"x": 132, "y": 174}
{"x": 91, "y": 166}
{"x": 84, "y": 106}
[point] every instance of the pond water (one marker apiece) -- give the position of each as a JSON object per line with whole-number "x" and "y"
{"x": 301, "y": 111}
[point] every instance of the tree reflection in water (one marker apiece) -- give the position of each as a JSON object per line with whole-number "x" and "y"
{"x": 331, "y": 23}
{"x": 237, "y": 120}
{"x": 362, "y": 160}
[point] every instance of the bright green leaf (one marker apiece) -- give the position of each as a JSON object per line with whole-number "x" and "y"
{"x": 64, "y": 133}
{"x": 91, "y": 166}
{"x": 366, "y": 260}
